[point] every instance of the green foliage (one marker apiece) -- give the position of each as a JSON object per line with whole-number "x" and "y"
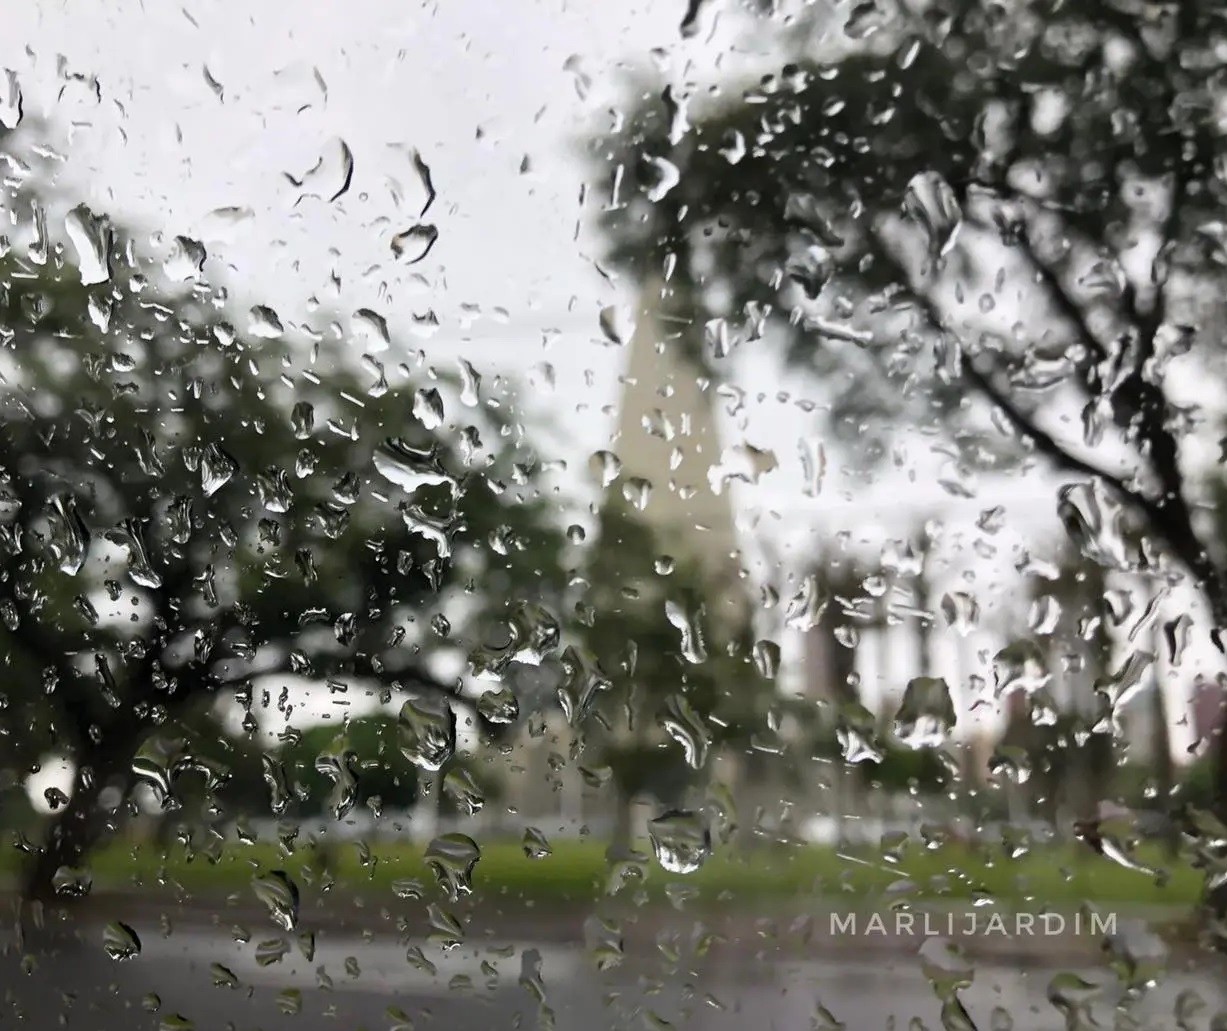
{"x": 193, "y": 503}
{"x": 753, "y": 881}
{"x": 715, "y": 697}
{"x": 379, "y": 768}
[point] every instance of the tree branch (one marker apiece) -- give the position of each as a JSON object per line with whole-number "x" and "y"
{"x": 1168, "y": 515}
{"x": 1044, "y": 442}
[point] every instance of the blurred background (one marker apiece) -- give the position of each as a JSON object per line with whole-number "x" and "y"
{"x": 643, "y": 479}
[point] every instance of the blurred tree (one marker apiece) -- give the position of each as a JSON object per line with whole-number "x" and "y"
{"x": 658, "y": 684}
{"x": 191, "y": 508}
{"x": 953, "y": 209}
{"x": 1070, "y": 615}
{"x": 331, "y": 769}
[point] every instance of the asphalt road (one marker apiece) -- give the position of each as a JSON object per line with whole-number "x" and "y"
{"x": 354, "y": 982}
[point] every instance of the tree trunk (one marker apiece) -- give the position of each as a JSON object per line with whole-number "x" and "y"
{"x": 1161, "y": 751}
{"x": 79, "y": 826}
{"x": 1214, "y": 902}
{"x": 621, "y": 842}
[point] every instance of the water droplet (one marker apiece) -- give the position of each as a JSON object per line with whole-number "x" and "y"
{"x": 271, "y": 950}
{"x": 930, "y": 202}
{"x": 222, "y": 224}
{"x": 68, "y": 540}
{"x": 264, "y": 323}
{"x": 462, "y": 791}
{"x": 499, "y": 706}
{"x": 330, "y": 176}
{"x": 604, "y": 941}
{"x": 437, "y": 529}
{"x": 616, "y": 325}
{"x": 535, "y": 844}
{"x": 120, "y": 941}
{"x": 372, "y": 330}
{"x": 690, "y": 20}
{"x": 766, "y": 656}
{"x": 1011, "y": 762}
{"x": 11, "y": 101}
{"x": 687, "y": 728}
{"x": 1112, "y": 848}
{"x": 470, "y": 383}
{"x": 1176, "y": 634}
{"x": 336, "y": 764}
{"x": 854, "y": 731}
{"x": 665, "y": 175}
{"x": 154, "y": 765}
{"x": 582, "y": 683}
{"x": 811, "y": 269}
{"x": 37, "y": 249}
{"x": 732, "y": 147}
{"x": 92, "y": 238}
{"x": 274, "y": 488}
{"x": 217, "y": 467}
{"x": 946, "y": 966}
{"x": 1094, "y": 523}
{"x": 72, "y": 882}
{"x": 289, "y": 1001}
{"x": 302, "y": 420}
{"x": 428, "y": 408}
{"x": 130, "y": 536}
{"x": 961, "y": 612}
{"x": 694, "y": 647}
{"x": 926, "y": 715}
{"x": 806, "y": 607}
{"x": 186, "y": 260}
{"x": 410, "y": 467}
{"x": 1019, "y": 667}
{"x": 223, "y": 976}
{"x": 606, "y": 466}
{"x": 452, "y": 858}
{"x": 532, "y": 982}
{"x": 743, "y": 463}
{"x": 865, "y": 19}
{"x": 681, "y": 840}
{"x": 427, "y": 732}
{"x": 1073, "y": 997}
{"x": 426, "y": 179}
{"x": 415, "y": 243}
{"x": 813, "y": 465}
{"x": 280, "y": 894}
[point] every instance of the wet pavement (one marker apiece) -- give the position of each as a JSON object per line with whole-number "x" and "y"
{"x": 203, "y": 978}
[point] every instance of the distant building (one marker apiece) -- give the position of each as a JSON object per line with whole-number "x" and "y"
{"x": 668, "y": 441}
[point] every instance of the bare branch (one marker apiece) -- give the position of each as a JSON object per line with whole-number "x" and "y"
{"x": 1169, "y": 516}
{"x": 1043, "y": 441}
{"x": 1047, "y": 276}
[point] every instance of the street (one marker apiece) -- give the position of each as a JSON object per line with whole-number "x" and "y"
{"x": 201, "y": 977}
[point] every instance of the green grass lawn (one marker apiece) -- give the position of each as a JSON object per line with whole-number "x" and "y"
{"x": 579, "y": 871}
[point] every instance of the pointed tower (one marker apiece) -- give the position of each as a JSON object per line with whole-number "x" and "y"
{"x": 667, "y": 437}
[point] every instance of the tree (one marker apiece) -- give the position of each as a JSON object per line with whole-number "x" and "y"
{"x": 659, "y": 682}
{"x": 331, "y": 769}
{"x": 194, "y": 509}
{"x": 965, "y": 209}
